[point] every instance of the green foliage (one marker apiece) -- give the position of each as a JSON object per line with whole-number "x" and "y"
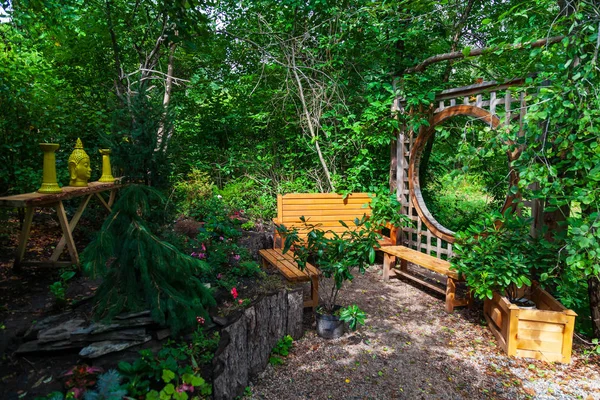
{"x": 141, "y": 271}
{"x": 387, "y": 210}
{"x": 353, "y": 316}
{"x": 59, "y": 288}
{"x": 173, "y": 371}
{"x": 498, "y": 255}
{"x": 281, "y": 349}
{"x": 337, "y": 256}
{"x": 190, "y": 193}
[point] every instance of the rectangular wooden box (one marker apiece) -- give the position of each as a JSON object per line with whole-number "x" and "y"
{"x": 544, "y": 334}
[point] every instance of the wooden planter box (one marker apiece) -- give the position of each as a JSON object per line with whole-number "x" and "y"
{"x": 544, "y": 334}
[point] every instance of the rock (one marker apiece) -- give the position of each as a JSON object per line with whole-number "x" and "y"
{"x": 246, "y": 343}
{"x": 230, "y": 362}
{"x": 124, "y": 334}
{"x": 255, "y": 241}
{"x": 220, "y": 321}
{"x": 101, "y": 348}
{"x": 98, "y": 327}
{"x": 163, "y": 333}
{"x": 61, "y": 332}
{"x": 46, "y": 323}
{"x": 35, "y": 346}
{"x": 295, "y": 313}
{"x": 133, "y": 315}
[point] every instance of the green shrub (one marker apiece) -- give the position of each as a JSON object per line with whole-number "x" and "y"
{"x": 141, "y": 271}
{"x": 498, "y": 255}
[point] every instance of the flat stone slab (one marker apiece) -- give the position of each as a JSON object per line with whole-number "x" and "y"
{"x": 98, "y": 349}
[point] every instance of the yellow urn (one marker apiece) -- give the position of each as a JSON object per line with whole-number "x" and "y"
{"x": 79, "y": 166}
{"x": 106, "y": 169}
{"x": 49, "y": 184}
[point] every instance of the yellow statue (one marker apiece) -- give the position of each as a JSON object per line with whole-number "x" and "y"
{"x": 79, "y": 166}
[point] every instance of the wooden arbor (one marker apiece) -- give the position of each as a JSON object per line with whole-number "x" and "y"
{"x": 490, "y": 102}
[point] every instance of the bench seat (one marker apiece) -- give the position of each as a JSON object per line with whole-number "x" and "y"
{"x": 288, "y": 267}
{"x": 406, "y": 255}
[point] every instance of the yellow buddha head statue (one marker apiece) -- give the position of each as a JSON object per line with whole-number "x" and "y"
{"x": 79, "y": 166}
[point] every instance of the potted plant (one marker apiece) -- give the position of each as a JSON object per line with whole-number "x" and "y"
{"x": 498, "y": 258}
{"x": 338, "y": 256}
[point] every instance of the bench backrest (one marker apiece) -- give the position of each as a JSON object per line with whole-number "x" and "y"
{"x": 322, "y": 209}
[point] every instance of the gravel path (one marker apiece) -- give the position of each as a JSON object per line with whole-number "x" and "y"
{"x": 410, "y": 348}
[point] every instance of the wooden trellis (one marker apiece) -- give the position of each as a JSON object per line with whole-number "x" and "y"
{"x": 490, "y": 101}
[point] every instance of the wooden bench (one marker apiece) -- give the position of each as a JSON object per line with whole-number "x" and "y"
{"x": 324, "y": 210}
{"x": 431, "y": 263}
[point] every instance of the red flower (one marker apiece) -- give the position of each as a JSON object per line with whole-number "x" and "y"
{"x": 234, "y": 293}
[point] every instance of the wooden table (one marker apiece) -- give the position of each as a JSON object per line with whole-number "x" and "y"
{"x": 29, "y": 201}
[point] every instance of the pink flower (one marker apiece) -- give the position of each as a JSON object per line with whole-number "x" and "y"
{"x": 219, "y": 276}
{"x": 200, "y": 320}
{"x": 236, "y": 257}
{"x": 194, "y": 254}
{"x": 240, "y": 302}
{"x": 201, "y": 255}
{"x": 187, "y": 388}
{"x": 203, "y": 247}
{"x": 234, "y": 293}
{"x": 221, "y": 238}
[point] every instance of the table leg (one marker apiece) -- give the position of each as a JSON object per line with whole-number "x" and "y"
{"x": 24, "y": 236}
{"x": 64, "y": 224}
{"x": 104, "y": 203}
{"x": 74, "y": 221}
{"x": 111, "y": 197}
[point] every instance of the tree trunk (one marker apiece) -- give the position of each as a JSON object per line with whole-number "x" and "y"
{"x": 594, "y": 295}
{"x": 162, "y": 136}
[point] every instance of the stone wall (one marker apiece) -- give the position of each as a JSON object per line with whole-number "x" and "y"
{"x": 247, "y": 342}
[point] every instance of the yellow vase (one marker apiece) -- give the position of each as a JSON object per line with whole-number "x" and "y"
{"x": 106, "y": 170}
{"x": 49, "y": 184}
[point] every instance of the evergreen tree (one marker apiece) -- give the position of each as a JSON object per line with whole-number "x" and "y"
{"x": 141, "y": 271}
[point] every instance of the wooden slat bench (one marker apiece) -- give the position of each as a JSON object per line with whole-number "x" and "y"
{"x": 324, "y": 210}
{"x": 431, "y": 263}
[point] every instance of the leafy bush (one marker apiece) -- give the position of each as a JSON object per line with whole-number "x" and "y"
{"x": 498, "y": 255}
{"x": 189, "y": 194}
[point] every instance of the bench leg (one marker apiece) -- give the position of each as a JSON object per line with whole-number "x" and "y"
{"x": 450, "y": 294}
{"x": 388, "y": 262}
{"x": 314, "y": 289}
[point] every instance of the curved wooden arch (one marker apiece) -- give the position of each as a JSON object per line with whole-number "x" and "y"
{"x": 415, "y": 159}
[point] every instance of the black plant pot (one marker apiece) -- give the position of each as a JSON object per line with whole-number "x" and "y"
{"x": 329, "y": 326}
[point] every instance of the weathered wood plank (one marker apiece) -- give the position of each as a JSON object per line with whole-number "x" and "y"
{"x": 39, "y": 199}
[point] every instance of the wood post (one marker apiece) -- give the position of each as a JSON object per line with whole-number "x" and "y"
{"x": 64, "y": 224}
{"x": 450, "y": 294}
{"x": 72, "y": 224}
{"x": 24, "y": 236}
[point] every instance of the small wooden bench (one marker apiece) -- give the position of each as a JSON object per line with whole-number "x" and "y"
{"x": 431, "y": 263}
{"x": 288, "y": 267}
{"x": 324, "y": 210}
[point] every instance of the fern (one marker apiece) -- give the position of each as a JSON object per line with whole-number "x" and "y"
{"x": 141, "y": 271}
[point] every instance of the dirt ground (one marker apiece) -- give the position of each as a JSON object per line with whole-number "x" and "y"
{"x": 410, "y": 348}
